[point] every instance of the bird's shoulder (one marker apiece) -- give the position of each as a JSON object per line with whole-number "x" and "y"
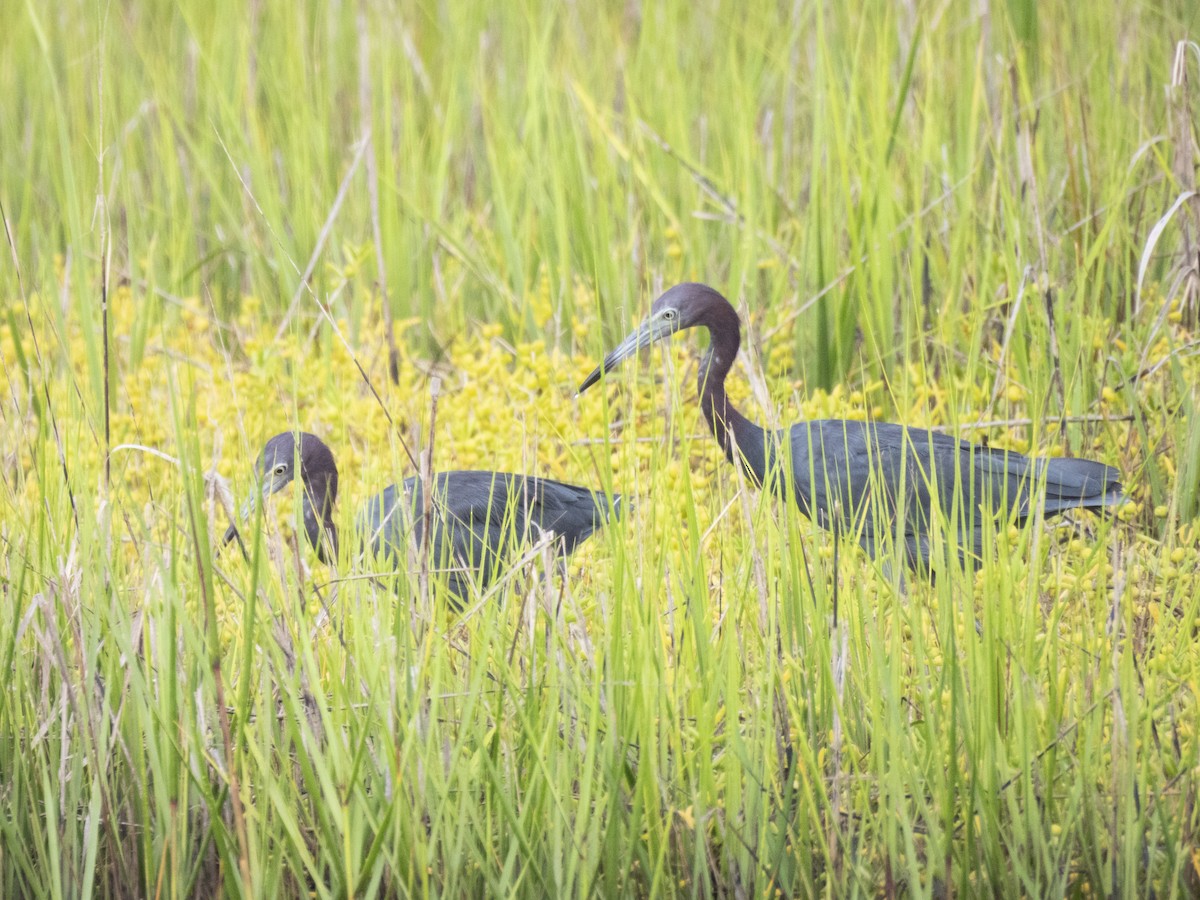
{"x": 479, "y": 494}
{"x": 861, "y": 436}
{"x": 843, "y": 436}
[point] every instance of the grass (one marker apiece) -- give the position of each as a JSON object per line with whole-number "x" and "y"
{"x": 220, "y": 218}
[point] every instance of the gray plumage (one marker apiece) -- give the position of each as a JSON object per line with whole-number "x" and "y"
{"x": 878, "y": 483}
{"x": 885, "y": 484}
{"x": 477, "y": 517}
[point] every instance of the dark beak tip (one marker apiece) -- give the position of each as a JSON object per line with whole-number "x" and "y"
{"x": 588, "y": 382}
{"x": 231, "y": 533}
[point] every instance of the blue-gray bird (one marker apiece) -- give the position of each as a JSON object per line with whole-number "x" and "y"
{"x": 476, "y": 517}
{"x": 881, "y": 484}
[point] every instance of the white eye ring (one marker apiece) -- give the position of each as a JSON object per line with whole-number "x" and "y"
{"x": 280, "y": 469}
{"x": 668, "y": 314}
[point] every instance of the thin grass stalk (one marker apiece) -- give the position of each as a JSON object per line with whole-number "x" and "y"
{"x": 425, "y": 473}
{"x": 366, "y": 109}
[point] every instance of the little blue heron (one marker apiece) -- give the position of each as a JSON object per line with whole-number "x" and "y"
{"x": 476, "y": 516}
{"x": 876, "y": 481}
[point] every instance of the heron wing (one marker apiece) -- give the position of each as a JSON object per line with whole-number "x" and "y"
{"x": 844, "y": 469}
{"x": 476, "y": 516}
{"x": 873, "y": 478}
{"x": 567, "y": 510}
{"x": 482, "y": 514}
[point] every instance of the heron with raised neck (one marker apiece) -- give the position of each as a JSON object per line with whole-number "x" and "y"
{"x": 881, "y": 483}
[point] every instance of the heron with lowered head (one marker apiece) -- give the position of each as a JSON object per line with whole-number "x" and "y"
{"x": 476, "y": 517}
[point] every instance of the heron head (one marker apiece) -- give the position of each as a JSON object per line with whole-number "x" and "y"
{"x": 683, "y": 306}
{"x": 283, "y": 456}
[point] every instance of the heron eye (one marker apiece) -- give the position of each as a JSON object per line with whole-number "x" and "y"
{"x": 668, "y": 314}
{"x": 280, "y": 469}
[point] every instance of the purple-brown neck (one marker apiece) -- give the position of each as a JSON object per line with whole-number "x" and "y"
{"x": 319, "y": 494}
{"x": 318, "y": 478}
{"x": 728, "y": 426}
